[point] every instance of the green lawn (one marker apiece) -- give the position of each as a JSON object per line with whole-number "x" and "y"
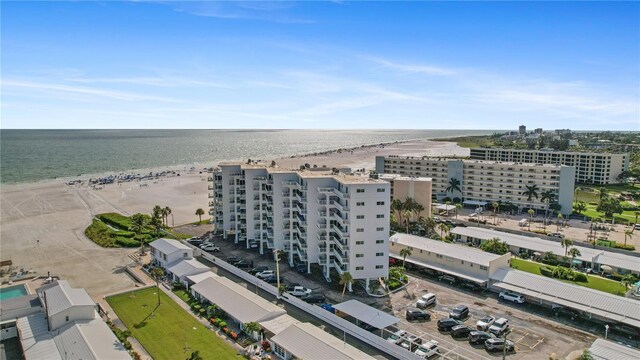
{"x": 595, "y": 282}
{"x": 165, "y": 334}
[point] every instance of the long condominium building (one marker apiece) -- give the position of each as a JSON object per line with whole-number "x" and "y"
{"x": 483, "y": 182}
{"x": 591, "y": 167}
{"x": 338, "y": 221}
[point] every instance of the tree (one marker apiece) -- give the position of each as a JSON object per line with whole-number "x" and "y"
{"x": 458, "y": 207}
{"x": 580, "y": 207}
{"x": 453, "y": 185}
{"x": 282, "y": 289}
{"x": 627, "y": 280}
{"x": 195, "y": 356}
{"x": 531, "y": 192}
{"x": 610, "y": 206}
{"x": 603, "y": 194}
{"x": 530, "y": 212}
{"x": 495, "y": 246}
{"x": 407, "y": 218}
{"x": 495, "y": 207}
{"x": 566, "y": 243}
{"x": 157, "y": 213}
{"x": 157, "y": 273}
{"x": 417, "y": 209}
{"x": 629, "y": 234}
{"x": 548, "y": 196}
{"x": 574, "y": 252}
{"x": 200, "y": 212}
{"x": 404, "y": 253}
{"x": 443, "y": 229}
{"x": 167, "y": 212}
{"x": 273, "y": 163}
{"x": 139, "y": 223}
{"x": 586, "y": 355}
{"x": 346, "y": 280}
{"x": 397, "y": 206}
{"x": 560, "y": 218}
{"x": 251, "y": 327}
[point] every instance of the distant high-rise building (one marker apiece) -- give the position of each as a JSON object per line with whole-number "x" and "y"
{"x": 522, "y": 129}
{"x": 538, "y": 130}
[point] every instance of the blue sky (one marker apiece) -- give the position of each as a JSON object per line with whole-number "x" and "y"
{"x": 413, "y": 65}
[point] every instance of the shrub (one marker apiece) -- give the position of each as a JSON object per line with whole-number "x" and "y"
{"x": 116, "y": 220}
{"x": 266, "y": 346}
{"x": 136, "y": 356}
{"x": 223, "y": 325}
{"x": 546, "y": 271}
{"x": 615, "y": 276}
{"x": 233, "y": 335}
{"x": 580, "y": 277}
{"x": 625, "y": 247}
{"x": 126, "y": 242}
{"x": 202, "y": 311}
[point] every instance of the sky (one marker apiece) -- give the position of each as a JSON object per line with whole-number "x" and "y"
{"x": 320, "y": 65}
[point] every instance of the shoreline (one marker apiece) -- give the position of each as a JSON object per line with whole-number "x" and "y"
{"x": 191, "y": 168}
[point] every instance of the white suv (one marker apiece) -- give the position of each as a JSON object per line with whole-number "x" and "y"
{"x": 511, "y": 296}
{"x": 499, "y": 326}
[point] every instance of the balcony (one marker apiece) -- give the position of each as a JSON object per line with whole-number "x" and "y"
{"x": 337, "y": 205}
{"x": 322, "y": 226}
{"x": 210, "y": 187}
{"x": 322, "y": 202}
{"x": 342, "y": 245}
{"x": 210, "y": 195}
{"x": 322, "y": 213}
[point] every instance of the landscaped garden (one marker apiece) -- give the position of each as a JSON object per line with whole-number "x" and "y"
{"x": 167, "y": 332}
{"x": 115, "y": 230}
{"x": 581, "y": 279}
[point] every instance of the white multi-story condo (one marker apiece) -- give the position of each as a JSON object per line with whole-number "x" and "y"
{"x": 591, "y": 167}
{"x": 483, "y": 182}
{"x": 338, "y": 221}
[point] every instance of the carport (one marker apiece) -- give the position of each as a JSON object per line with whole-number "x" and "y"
{"x": 452, "y": 272}
{"x": 445, "y": 208}
{"x": 366, "y": 314}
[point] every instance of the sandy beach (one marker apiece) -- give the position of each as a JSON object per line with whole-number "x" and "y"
{"x": 42, "y": 224}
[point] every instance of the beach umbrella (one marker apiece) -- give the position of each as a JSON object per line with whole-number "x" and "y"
{"x": 606, "y": 268}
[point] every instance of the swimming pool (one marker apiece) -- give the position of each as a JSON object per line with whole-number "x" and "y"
{"x": 13, "y": 292}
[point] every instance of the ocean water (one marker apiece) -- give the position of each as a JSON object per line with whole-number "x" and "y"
{"x": 34, "y": 155}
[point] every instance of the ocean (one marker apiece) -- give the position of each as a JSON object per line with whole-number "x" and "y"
{"x": 34, "y": 155}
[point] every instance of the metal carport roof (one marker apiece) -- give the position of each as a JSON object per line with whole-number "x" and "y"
{"x": 367, "y": 314}
{"x": 444, "y": 270}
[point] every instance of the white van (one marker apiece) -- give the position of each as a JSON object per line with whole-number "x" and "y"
{"x": 426, "y": 300}
{"x": 523, "y": 222}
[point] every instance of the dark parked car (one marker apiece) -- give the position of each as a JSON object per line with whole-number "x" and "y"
{"x": 366, "y": 326}
{"x": 479, "y": 337}
{"x": 447, "y": 323}
{"x": 566, "y": 312}
{"x": 272, "y": 279}
{"x": 314, "y": 298}
{"x": 461, "y": 331}
{"x": 258, "y": 269}
{"x": 471, "y": 286}
{"x": 447, "y": 279}
{"x": 232, "y": 260}
{"x": 302, "y": 268}
{"x": 195, "y": 242}
{"x": 417, "y": 314}
{"x": 459, "y": 312}
{"x": 244, "y": 264}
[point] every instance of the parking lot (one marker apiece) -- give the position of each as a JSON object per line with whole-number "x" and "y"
{"x": 535, "y": 337}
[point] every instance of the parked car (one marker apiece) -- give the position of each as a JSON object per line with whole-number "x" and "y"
{"x": 461, "y": 331}
{"x": 313, "y": 298}
{"x": 626, "y": 331}
{"x": 471, "y": 286}
{"x": 447, "y": 279}
{"x": 511, "y": 296}
{"x": 366, "y": 326}
{"x": 417, "y": 314}
{"x": 244, "y": 264}
{"x": 272, "y": 279}
{"x": 394, "y": 337}
{"x": 427, "y": 350}
{"x": 499, "y": 326}
{"x": 557, "y": 235}
{"x": 292, "y": 286}
{"x": 328, "y": 307}
{"x": 565, "y": 312}
{"x": 300, "y": 291}
{"x": 495, "y": 344}
{"x": 195, "y": 242}
{"x": 232, "y": 260}
{"x": 210, "y": 247}
{"x": 253, "y": 244}
{"x": 258, "y": 269}
{"x": 410, "y": 342}
{"x": 479, "y": 337}
{"x": 459, "y": 312}
{"x": 484, "y": 322}
{"x": 426, "y": 300}
{"x": 265, "y": 274}
{"x": 302, "y": 268}
{"x": 446, "y": 324}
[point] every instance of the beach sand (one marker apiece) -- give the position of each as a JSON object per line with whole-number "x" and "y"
{"x": 42, "y": 224}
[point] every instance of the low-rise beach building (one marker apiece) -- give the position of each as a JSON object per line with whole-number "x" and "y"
{"x": 464, "y": 262}
{"x": 168, "y": 251}
{"x": 182, "y": 269}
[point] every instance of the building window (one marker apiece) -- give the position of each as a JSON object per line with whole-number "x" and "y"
{"x": 380, "y": 189}
{"x": 359, "y": 217}
{"x": 359, "y": 255}
{"x": 361, "y": 203}
{"x": 380, "y": 203}
{"x": 359, "y": 190}
{"x": 379, "y": 254}
{"x": 462, "y": 262}
{"x": 359, "y": 267}
{"x": 185, "y": 254}
{"x": 483, "y": 267}
{"x": 380, "y": 216}
{"x": 360, "y": 230}
{"x": 359, "y": 242}
{"x": 379, "y": 266}
{"x": 379, "y": 241}
{"x": 380, "y": 229}
{"x": 439, "y": 256}
{"x": 66, "y": 318}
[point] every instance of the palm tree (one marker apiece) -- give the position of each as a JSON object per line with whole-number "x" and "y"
{"x": 200, "y": 212}
{"x": 531, "y": 192}
{"x": 560, "y": 217}
{"x": 417, "y": 209}
{"x": 547, "y": 196}
{"x": 429, "y": 223}
{"x": 404, "y": 253}
{"x": 163, "y": 212}
{"x": 495, "y": 206}
{"x": 574, "y": 252}
{"x": 157, "y": 273}
{"x": 531, "y": 212}
{"x": 251, "y": 327}
{"x": 629, "y": 234}
{"x": 157, "y": 212}
{"x": 580, "y": 207}
{"x": 139, "y": 223}
{"x": 586, "y": 355}
{"x": 407, "y": 218}
{"x": 458, "y": 207}
{"x": 453, "y": 185}
{"x": 397, "y": 206}
{"x": 167, "y": 212}
{"x": 603, "y": 194}
{"x": 627, "y": 281}
{"x": 566, "y": 243}
{"x": 346, "y": 280}
{"x": 443, "y": 228}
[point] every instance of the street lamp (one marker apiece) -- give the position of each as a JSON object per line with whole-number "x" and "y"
{"x": 606, "y": 331}
{"x": 276, "y": 253}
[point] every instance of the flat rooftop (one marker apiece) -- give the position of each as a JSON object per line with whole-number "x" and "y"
{"x": 472, "y": 161}
{"x": 456, "y": 251}
{"x": 310, "y": 174}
